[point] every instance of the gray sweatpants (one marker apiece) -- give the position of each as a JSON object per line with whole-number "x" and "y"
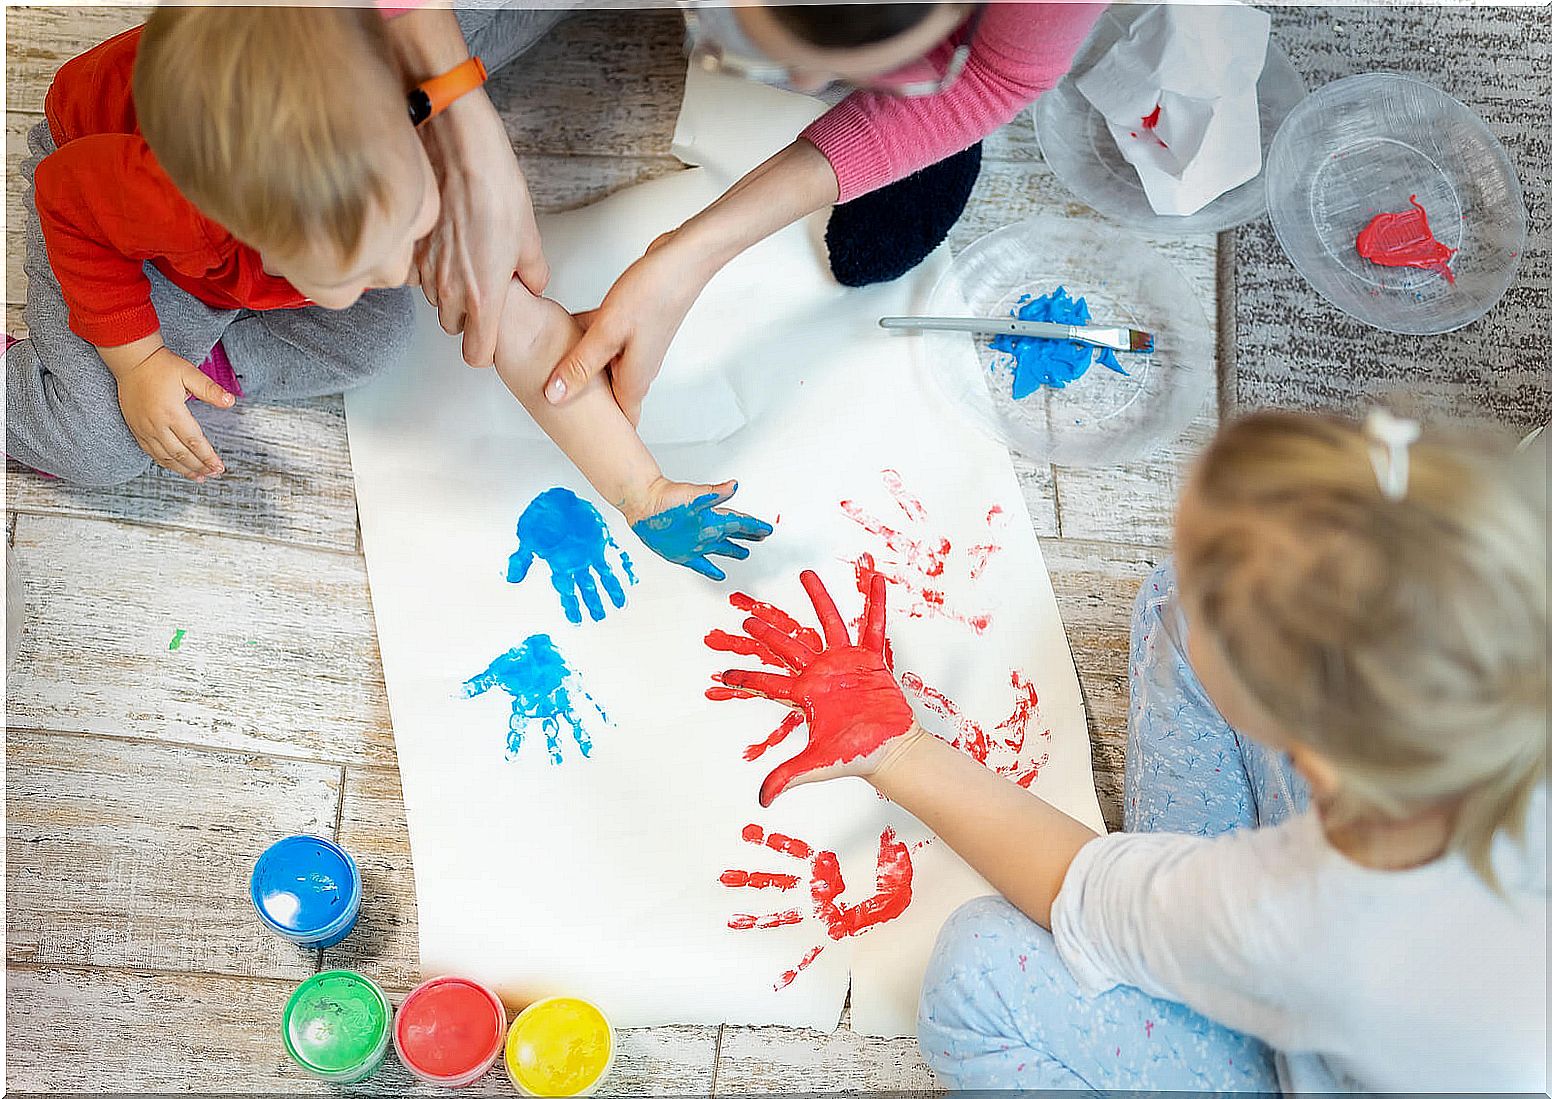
{"x": 62, "y": 407}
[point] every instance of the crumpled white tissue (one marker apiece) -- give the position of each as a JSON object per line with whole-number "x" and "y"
{"x": 1178, "y": 94}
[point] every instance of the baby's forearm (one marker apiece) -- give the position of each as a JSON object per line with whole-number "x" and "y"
{"x": 591, "y": 430}
{"x": 1019, "y": 843}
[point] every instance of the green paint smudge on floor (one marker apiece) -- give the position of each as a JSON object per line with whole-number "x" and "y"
{"x": 176, "y": 642}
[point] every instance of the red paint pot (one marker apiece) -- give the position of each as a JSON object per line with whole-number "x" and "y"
{"x": 449, "y": 1031}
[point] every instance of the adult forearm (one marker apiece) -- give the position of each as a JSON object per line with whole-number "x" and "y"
{"x": 1020, "y": 843}
{"x": 427, "y": 42}
{"x": 789, "y": 186}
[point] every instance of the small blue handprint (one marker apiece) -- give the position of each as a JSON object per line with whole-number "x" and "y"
{"x": 691, "y": 534}
{"x": 541, "y": 686}
{"x": 571, "y": 536}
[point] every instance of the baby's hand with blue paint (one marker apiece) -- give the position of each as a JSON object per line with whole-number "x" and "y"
{"x": 682, "y": 523}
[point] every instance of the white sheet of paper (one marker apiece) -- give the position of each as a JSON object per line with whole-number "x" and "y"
{"x": 1198, "y": 66}
{"x": 601, "y": 876}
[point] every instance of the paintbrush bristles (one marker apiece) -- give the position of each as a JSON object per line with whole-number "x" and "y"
{"x": 1141, "y": 342}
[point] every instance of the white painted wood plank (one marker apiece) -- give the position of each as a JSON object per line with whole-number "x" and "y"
{"x": 132, "y": 854}
{"x": 1135, "y": 502}
{"x": 1096, "y": 584}
{"x": 373, "y": 829}
{"x": 606, "y": 82}
{"x": 779, "y": 1060}
{"x": 40, "y": 39}
{"x": 288, "y": 480}
{"x": 95, "y": 1031}
{"x": 280, "y": 653}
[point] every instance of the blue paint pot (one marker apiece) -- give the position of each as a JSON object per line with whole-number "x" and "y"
{"x": 307, "y": 890}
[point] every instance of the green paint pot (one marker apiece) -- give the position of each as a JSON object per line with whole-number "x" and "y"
{"x": 337, "y": 1026}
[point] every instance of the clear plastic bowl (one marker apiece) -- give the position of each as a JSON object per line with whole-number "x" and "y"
{"x": 1102, "y": 418}
{"x": 1078, "y": 146}
{"x": 1363, "y": 146}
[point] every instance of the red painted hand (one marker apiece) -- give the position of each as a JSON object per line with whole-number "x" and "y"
{"x": 853, "y": 705}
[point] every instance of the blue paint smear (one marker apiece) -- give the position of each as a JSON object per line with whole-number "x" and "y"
{"x": 690, "y": 534}
{"x": 543, "y": 689}
{"x": 1037, "y": 361}
{"x": 567, "y": 533}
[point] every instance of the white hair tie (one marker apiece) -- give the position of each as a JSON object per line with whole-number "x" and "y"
{"x": 1389, "y": 438}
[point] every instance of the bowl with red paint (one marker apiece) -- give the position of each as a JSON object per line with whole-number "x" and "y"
{"x": 450, "y": 1031}
{"x": 1396, "y": 203}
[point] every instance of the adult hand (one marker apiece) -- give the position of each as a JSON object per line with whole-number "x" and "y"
{"x": 630, "y": 331}
{"x": 485, "y": 231}
{"x": 857, "y": 715}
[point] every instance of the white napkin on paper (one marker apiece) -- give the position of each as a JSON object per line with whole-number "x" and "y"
{"x": 1179, "y": 96}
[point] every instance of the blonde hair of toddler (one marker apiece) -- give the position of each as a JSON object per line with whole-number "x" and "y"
{"x": 272, "y": 120}
{"x": 1404, "y": 639}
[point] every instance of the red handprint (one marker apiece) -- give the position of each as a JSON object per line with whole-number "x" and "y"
{"x": 1001, "y": 751}
{"x": 891, "y": 897}
{"x": 851, "y": 702}
{"x": 918, "y": 560}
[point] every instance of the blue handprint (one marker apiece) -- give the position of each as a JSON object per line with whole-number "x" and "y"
{"x": 568, "y": 533}
{"x": 689, "y": 534}
{"x": 540, "y": 683}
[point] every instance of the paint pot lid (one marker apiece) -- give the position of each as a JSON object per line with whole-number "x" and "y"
{"x": 336, "y": 1022}
{"x": 559, "y": 1046}
{"x": 449, "y": 1027}
{"x": 304, "y": 884}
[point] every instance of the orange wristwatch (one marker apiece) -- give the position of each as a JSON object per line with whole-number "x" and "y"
{"x": 437, "y": 94}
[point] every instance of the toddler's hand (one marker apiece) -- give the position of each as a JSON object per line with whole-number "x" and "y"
{"x": 682, "y": 523}
{"x": 154, "y": 399}
{"x": 857, "y": 715}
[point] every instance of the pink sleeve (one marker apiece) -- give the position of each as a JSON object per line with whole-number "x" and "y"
{"x": 392, "y": 9}
{"x": 1020, "y": 50}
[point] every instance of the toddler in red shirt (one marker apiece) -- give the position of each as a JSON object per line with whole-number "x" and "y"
{"x": 192, "y": 203}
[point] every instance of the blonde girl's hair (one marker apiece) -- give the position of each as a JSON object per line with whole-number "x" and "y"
{"x": 272, "y": 120}
{"x": 1404, "y": 639}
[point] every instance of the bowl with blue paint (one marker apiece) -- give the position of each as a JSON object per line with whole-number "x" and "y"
{"x": 1056, "y": 401}
{"x": 307, "y": 890}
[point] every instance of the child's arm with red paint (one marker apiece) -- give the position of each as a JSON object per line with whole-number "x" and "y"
{"x": 859, "y": 723}
{"x": 682, "y": 523}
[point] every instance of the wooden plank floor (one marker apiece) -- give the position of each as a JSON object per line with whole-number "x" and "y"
{"x": 143, "y": 781}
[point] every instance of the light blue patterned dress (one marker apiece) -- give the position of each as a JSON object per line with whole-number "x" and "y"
{"x": 999, "y": 1008}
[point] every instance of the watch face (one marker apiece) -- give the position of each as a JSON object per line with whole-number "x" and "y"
{"x": 420, "y": 106}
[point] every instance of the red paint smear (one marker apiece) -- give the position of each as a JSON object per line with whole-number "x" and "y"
{"x": 778, "y": 842}
{"x": 1150, "y": 122}
{"x": 756, "y": 879}
{"x": 971, "y": 738}
{"x": 788, "y": 725}
{"x": 792, "y": 974}
{"x": 753, "y": 833}
{"x": 448, "y": 1027}
{"x": 917, "y": 559}
{"x": 1405, "y": 240}
{"x": 1002, "y": 754}
{"x": 891, "y": 898}
{"x": 765, "y": 923}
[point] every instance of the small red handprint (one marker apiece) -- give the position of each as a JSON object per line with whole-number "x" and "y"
{"x": 1002, "y": 750}
{"x": 891, "y": 897}
{"x": 919, "y": 560}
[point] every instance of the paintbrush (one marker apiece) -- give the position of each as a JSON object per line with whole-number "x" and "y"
{"x": 1117, "y": 339}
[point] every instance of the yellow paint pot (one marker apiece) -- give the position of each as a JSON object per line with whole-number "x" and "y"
{"x": 559, "y": 1046}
